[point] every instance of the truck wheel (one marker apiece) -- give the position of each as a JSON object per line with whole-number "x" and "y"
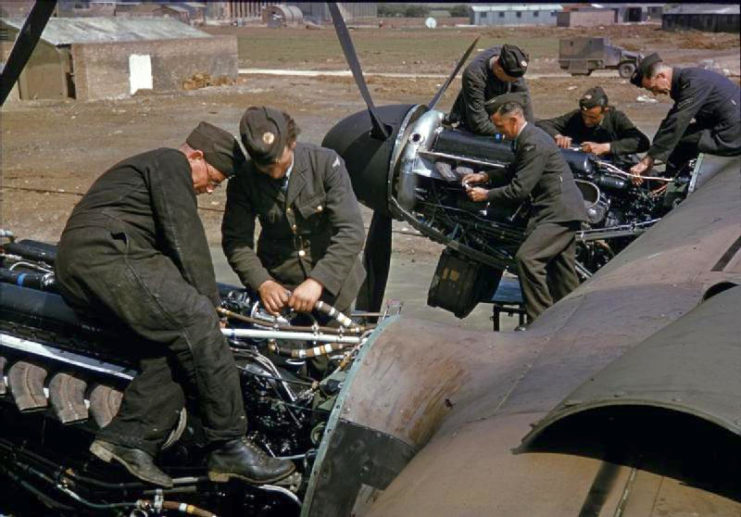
{"x": 626, "y": 70}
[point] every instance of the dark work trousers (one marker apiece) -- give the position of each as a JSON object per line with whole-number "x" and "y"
{"x": 545, "y": 265}
{"x": 109, "y": 274}
{"x": 695, "y": 140}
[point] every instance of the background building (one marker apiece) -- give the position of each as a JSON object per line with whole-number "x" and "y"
{"x": 318, "y": 12}
{"x": 96, "y": 58}
{"x": 585, "y": 17}
{"x": 702, "y": 17}
{"x": 514, "y": 14}
{"x": 633, "y": 13}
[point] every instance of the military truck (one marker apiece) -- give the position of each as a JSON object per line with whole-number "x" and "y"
{"x": 581, "y": 56}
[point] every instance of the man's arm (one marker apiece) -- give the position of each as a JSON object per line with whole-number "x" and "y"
{"x": 630, "y": 139}
{"x": 238, "y": 236}
{"x": 521, "y": 86}
{"x": 347, "y": 227}
{"x": 555, "y": 126}
{"x": 529, "y": 166}
{"x": 477, "y": 120}
{"x": 691, "y": 97}
{"x": 176, "y": 213}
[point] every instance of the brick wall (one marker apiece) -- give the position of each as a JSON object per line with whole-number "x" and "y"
{"x": 102, "y": 69}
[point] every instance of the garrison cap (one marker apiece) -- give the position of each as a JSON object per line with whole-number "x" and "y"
{"x": 264, "y": 133}
{"x": 513, "y": 60}
{"x": 592, "y": 98}
{"x": 643, "y": 68}
{"x": 492, "y": 105}
{"x": 220, "y": 149}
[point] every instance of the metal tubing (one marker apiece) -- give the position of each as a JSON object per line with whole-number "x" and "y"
{"x": 291, "y": 336}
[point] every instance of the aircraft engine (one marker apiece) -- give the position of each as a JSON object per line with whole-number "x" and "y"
{"x": 62, "y": 377}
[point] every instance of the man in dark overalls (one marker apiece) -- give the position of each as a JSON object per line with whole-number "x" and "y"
{"x": 599, "y": 129}
{"x": 705, "y": 117}
{"x": 134, "y": 250}
{"x": 312, "y": 230}
{"x": 546, "y": 258}
{"x": 493, "y": 72}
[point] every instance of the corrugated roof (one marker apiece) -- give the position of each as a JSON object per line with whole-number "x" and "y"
{"x": 705, "y": 9}
{"x": 64, "y": 31}
{"x": 516, "y": 7}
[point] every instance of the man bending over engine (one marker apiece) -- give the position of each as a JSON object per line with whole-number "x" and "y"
{"x": 546, "y": 258}
{"x": 599, "y": 129}
{"x": 134, "y": 249}
{"x": 311, "y": 228}
{"x": 705, "y": 117}
{"x": 493, "y": 72}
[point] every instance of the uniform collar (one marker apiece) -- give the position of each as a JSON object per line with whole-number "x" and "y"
{"x": 674, "y": 91}
{"x": 287, "y": 177}
{"x": 298, "y": 173}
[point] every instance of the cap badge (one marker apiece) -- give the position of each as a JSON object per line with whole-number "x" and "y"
{"x": 524, "y": 64}
{"x": 587, "y": 96}
{"x": 268, "y": 138}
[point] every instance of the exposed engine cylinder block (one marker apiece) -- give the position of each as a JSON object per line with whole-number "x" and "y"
{"x": 27, "y": 386}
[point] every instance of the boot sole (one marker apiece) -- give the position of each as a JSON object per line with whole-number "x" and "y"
{"x": 224, "y": 477}
{"x": 107, "y": 456}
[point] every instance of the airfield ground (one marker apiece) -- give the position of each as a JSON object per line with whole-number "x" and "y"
{"x": 52, "y": 151}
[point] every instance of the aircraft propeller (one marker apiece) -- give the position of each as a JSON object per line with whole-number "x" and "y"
{"x": 365, "y": 157}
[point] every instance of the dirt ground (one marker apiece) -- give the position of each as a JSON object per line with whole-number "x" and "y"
{"x": 52, "y": 151}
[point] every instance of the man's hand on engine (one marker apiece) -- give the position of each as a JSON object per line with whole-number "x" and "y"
{"x": 640, "y": 168}
{"x": 564, "y": 142}
{"x": 595, "y": 148}
{"x": 474, "y": 177}
{"x": 274, "y": 296}
{"x": 477, "y": 194}
{"x": 306, "y": 295}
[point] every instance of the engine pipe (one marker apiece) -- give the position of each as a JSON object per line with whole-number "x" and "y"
{"x": 291, "y": 336}
{"x": 283, "y": 326}
{"x": 300, "y": 353}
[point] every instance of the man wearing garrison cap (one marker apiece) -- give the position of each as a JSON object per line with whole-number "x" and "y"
{"x": 539, "y": 173}
{"x": 493, "y": 72}
{"x": 134, "y": 253}
{"x": 311, "y": 228}
{"x": 598, "y": 128}
{"x": 705, "y": 118}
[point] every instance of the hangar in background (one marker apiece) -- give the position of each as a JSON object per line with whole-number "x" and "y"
{"x": 100, "y": 58}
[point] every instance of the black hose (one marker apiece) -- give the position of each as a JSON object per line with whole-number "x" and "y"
{"x": 35, "y": 491}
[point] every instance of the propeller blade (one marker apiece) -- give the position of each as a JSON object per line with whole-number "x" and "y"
{"x": 377, "y": 262}
{"x": 379, "y": 129}
{"x": 444, "y": 87}
{"x": 25, "y": 43}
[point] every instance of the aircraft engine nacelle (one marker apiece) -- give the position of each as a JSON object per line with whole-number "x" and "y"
{"x": 368, "y": 156}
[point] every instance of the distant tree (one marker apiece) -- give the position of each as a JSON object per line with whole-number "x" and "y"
{"x": 459, "y": 11}
{"x": 416, "y": 11}
{"x": 390, "y": 9}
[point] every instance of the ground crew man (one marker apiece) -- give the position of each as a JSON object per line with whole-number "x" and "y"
{"x": 134, "y": 250}
{"x": 598, "y": 128}
{"x": 546, "y": 258}
{"x": 493, "y": 72}
{"x": 312, "y": 231}
{"x": 704, "y": 119}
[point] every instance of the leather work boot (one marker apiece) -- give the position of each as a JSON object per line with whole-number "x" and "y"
{"x": 136, "y": 461}
{"x": 244, "y": 460}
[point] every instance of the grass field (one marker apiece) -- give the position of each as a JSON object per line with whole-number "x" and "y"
{"x": 420, "y": 50}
